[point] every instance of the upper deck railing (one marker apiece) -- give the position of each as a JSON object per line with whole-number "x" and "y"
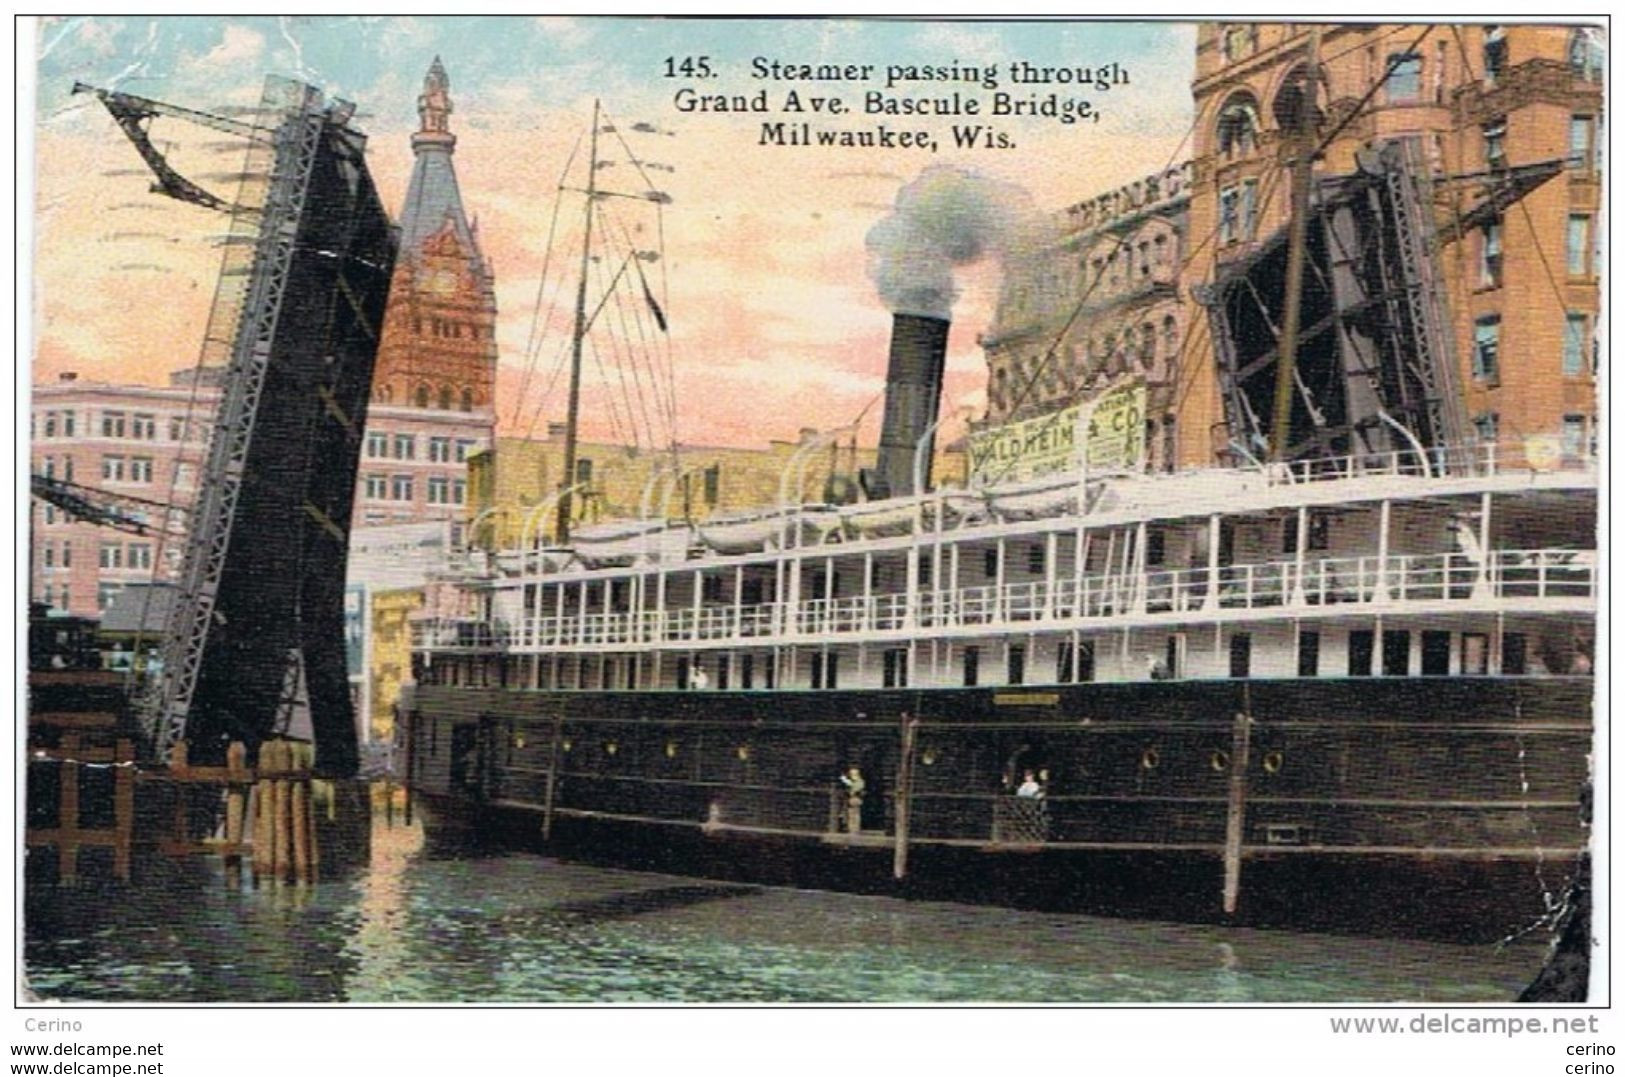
{"x": 1287, "y": 587}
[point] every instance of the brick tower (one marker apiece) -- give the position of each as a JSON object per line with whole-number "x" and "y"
{"x": 439, "y": 345}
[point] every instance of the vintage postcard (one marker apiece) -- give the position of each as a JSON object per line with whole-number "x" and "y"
{"x": 628, "y": 510}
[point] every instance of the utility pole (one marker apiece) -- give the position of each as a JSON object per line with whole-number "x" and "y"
{"x": 567, "y": 483}
{"x": 1303, "y": 142}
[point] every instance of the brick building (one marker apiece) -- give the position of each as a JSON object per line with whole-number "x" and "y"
{"x": 1523, "y": 290}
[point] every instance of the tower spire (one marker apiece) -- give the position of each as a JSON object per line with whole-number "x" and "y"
{"x": 434, "y": 112}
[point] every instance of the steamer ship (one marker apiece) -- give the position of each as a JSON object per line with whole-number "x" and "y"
{"x": 1343, "y": 683}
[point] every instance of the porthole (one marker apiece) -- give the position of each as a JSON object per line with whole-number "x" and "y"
{"x": 1219, "y": 761}
{"x": 566, "y": 745}
{"x": 928, "y": 757}
{"x": 743, "y": 752}
{"x": 1272, "y": 763}
{"x": 1149, "y": 759}
{"x": 671, "y": 749}
{"x": 610, "y": 747}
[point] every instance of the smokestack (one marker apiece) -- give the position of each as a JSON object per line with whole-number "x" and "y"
{"x": 919, "y": 351}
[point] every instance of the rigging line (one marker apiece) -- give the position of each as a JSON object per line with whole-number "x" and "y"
{"x": 617, "y": 428}
{"x": 651, "y": 353}
{"x": 615, "y": 299}
{"x": 630, "y": 156}
{"x": 552, "y": 382}
{"x": 1359, "y": 106}
{"x": 648, "y": 352}
{"x": 642, "y": 410}
{"x": 533, "y": 338}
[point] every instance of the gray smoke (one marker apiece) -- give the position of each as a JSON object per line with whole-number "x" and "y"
{"x": 946, "y": 217}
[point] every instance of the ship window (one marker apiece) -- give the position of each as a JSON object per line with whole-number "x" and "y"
{"x": 816, "y": 669}
{"x": 1435, "y": 654}
{"x": 1514, "y": 655}
{"x": 1308, "y": 654}
{"x": 972, "y": 657}
{"x": 1475, "y": 654}
{"x": 894, "y": 667}
{"x": 1396, "y": 654}
{"x": 1156, "y": 547}
{"x": 747, "y": 670}
{"x": 922, "y": 573}
{"x": 682, "y": 671}
{"x": 1362, "y": 646}
{"x": 1241, "y": 654}
{"x": 1016, "y": 671}
{"x": 990, "y": 563}
{"x": 1064, "y": 662}
{"x": 1035, "y": 560}
{"x": 713, "y": 484}
{"x": 1085, "y": 661}
{"x": 711, "y": 588}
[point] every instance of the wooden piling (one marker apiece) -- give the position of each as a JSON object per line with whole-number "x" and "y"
{"x": 1235, "y": 822}
{"x": 264, "y": 815}
{"x": 299, "y": 827}
{"x": 236, "y": 807}
{"x": 281, "y": 832}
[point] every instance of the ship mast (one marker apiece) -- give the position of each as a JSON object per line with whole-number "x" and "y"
{"x": 1303, "y": 141}
{"x": 567, "y": 481}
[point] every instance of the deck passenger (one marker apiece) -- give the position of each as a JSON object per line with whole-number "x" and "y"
{"x": 853, "y": 780}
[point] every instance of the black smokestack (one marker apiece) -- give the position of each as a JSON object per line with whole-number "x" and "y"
{"x": 919, "y": 352}
{"x": 945, "y": 218}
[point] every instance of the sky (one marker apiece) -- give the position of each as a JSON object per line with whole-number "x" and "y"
{"x": 774, "y": 322}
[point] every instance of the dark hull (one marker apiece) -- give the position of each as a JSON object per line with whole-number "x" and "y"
{"x": 1448, "y": 808}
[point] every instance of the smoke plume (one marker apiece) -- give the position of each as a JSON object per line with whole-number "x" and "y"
{"x": 946, "y": 217}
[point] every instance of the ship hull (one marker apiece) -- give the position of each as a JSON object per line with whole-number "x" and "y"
{"x": 1445, "y": 808}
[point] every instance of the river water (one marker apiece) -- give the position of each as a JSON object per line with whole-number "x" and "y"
{"x": 523, "y": 928}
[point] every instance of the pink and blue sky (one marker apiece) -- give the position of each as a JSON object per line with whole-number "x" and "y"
{"x": 774, "y": 323}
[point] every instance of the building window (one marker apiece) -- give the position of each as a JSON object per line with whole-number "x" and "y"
{"x": 48, "y": 555}
{"x": 1581, "y": 129}
{"x": 423, "y": 392}
{"x": 377, "y": 445}
{"x": 376, "y": 487}
{"x": 1585, "y": 53}
{"x": 1249, "y": 208}
{"x": 440, "y": 450}
{"x": 1404, "y": 83}
{"x": 445, "y": 398}
{"x": 1574, "y": 435}
{"x": 1240, "y": 41}
{"x": 405, "y": 447}
{"x": 67, "y": 425}
{"x": 1487, "y": 425}
{"x": 144, "y": 427}
{"x": 459, "y": 491}
{"x": 177, "y": 429}
{"x": 1229, "y": 214}
{"x": 1487, "y": 348}
{"x": 112, "y": 555}
{"x": 112, "y": 469}
{"x": 439, "y": 490}
{"x": 1489, "y": 261}
{"x": 468, "y": 400}
{"x": 1238, "y": 127}
{"x": 1574, "y": 337}
{"x": 1495, "y": 150}
{"x": 105, "y": 593}
{"x": 1579, "y": 244}
{"x": 1495, "y": 53}
{"x": 713, "y": 485}
{"x": 50, "y": 424}
{"x": 112, "y": 424}
{"x": 140, "y": 555}
{"x": 140, "y": 469}
{"x": 400, "y": 488}
{"x": 463, "y": 448}
{"x": 67, "y": 469}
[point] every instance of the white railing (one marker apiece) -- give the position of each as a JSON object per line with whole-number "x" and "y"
{"x": 1176, "y": 593}
{"x": 1481, "y": 458}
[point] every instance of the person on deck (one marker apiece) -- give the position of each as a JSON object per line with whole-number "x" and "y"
{"x": 855, "y": 785}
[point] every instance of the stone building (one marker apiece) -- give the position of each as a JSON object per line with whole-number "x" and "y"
{"x": 1480, "y": 100}
{"x": 1097, "y": 302}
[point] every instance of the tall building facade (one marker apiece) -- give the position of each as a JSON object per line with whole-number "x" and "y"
{"x": 1480, "y": 101}
{"x": 1100, "y": 301}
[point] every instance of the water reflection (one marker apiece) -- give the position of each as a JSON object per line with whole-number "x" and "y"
{"x": 529, "y": 929}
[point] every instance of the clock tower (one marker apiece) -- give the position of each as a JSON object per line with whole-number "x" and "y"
{"x": 438, "y": 350}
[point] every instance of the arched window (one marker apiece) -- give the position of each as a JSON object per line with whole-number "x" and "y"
{"x": 468, "y": 400}
{"x": 1148, "y": 347}
{"x": 423, "y": 396}
{"x": 445, "y": 398}
{"x": 1585, "y": 53}
{"x": 1238, "y": 126}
